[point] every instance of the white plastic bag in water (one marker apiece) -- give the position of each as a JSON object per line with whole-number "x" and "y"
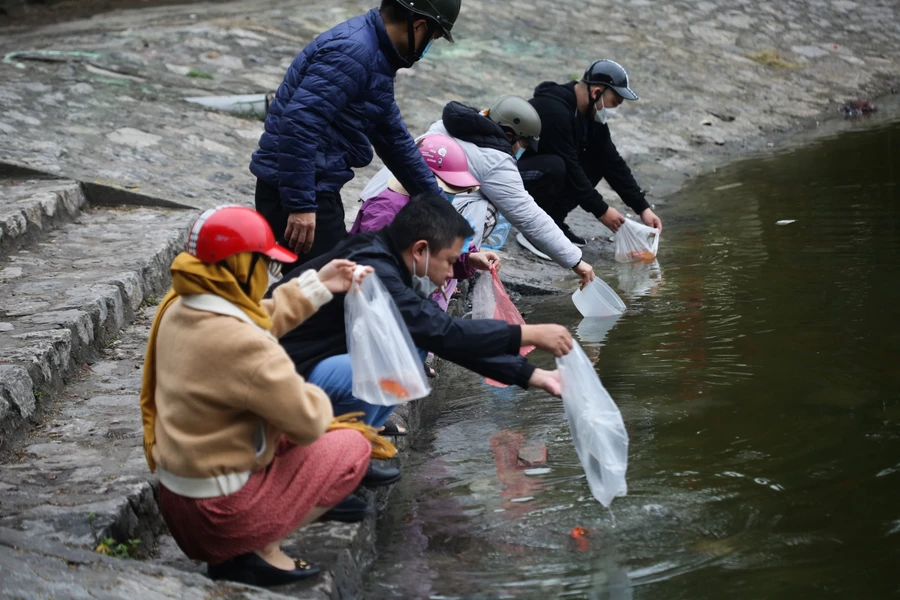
{"x": 387, "y": 370}
{"x": 598, "y": 431}
{"x": 636, "y": 242}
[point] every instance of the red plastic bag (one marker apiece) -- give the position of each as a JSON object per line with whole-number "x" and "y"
{"x": 505, "y": 310}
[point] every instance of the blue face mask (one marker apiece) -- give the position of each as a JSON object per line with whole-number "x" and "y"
{"x": 422, "y": 285}
{"x": 425, "y": 51}
{"x": 519, "y": 153}
{"x": 449, "y": 196}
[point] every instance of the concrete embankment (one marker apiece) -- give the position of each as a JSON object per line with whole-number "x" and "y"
{"x": 105, "y": 165}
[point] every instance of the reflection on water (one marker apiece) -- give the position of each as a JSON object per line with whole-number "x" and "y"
{"x": 757, "y": 369}
{"x": 593, "y": 330}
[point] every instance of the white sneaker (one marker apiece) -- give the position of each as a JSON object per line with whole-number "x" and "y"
{"x": 530, "y": 247}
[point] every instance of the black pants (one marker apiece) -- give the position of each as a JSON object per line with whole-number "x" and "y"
{"x": 544, "y": 176}
{"x": 330, "y": 228}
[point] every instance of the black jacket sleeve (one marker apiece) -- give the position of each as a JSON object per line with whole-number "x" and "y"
{"x": 449, "y": 337}
{"x": 510, "y": 370}
{"x": 615, "y": 170}
{"x": 558, "y": 136}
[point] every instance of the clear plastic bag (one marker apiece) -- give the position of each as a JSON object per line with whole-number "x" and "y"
{"x": 598, "y": 300}
{"x": 498, "y": 236}
{"x": 598, "y": 431}
{"x": 387, "y": 370}
{"x": 483, "y": 302}
{"x": 636, "y": 242}
{"x": 490, "y": 301}
{"x": 504, "y": 309}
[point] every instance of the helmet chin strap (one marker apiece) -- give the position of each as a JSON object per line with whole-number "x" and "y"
{"x": 245, "y": 285}
{"x": 413, "y": 54}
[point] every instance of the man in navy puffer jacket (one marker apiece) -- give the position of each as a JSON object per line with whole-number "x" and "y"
{"x": 336, "y": 102}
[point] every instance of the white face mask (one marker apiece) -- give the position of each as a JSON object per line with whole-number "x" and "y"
{"x": 603, "y": 114}
{"x": 423, "y": 286}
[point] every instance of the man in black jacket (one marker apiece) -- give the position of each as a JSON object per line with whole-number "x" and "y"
{"x": 411, "y": 257}
{"x": 576, "y": 150}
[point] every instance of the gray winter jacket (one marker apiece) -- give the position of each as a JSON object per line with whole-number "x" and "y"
{"x": 501, "y": 185}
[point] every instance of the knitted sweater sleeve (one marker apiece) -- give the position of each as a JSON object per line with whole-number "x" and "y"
{"x": 296, "y": 301}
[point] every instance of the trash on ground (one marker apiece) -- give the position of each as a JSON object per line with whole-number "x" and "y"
{"x": 857, "y": 108}
{"x": 524, "y": 499}
{"x": 785, "y": 221}
{"x": 248, "y": 105}
{"x": 729, "y": 186}
{"x": 13, "y": 58}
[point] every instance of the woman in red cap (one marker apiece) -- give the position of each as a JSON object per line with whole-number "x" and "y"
{"x": 237, "y": 437}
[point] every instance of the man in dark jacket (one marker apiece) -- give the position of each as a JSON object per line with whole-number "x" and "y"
{"x": 336, "y": 102}
{"x": 411, "y": 257}
{"x": 576, "y": 150}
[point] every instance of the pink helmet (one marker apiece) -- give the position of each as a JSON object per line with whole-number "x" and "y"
{"x": 447, "y": 160}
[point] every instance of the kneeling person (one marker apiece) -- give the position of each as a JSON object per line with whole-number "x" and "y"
{"x": 412, "y": 257}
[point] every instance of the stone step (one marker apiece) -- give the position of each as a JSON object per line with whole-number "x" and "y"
{"x": 35, "y": 568}
{"x": 63, "y": 298}
{"x": 30, "y": 208}
{"x": 81, "y": 477}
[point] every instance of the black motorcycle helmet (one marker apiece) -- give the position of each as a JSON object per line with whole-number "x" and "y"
{"x": 440, "y": 14}
{"x": 611, "y": 74}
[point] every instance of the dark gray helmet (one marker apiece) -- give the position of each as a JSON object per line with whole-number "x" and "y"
{"x": 611, "y": 74}
{"x": 442, "y": 12}
{"x": 518, "y": 115}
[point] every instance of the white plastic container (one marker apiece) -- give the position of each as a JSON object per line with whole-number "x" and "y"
{"x": 598, "y": 300}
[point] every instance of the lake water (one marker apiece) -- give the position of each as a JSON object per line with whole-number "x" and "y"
{"x": 758, "y": 373}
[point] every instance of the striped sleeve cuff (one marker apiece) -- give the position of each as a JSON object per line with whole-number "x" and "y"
{"x": 313, "y": 288}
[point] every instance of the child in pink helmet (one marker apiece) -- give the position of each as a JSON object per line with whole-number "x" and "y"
{"x": 447, "y": 160}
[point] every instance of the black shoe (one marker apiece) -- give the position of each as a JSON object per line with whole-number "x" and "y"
{"x": 393, "y": 430}
{"x": 351, "y": 509}
{"x": 572, "y": 236}
{"x": 380, "y": 476}
{"x": 253, "y": 570}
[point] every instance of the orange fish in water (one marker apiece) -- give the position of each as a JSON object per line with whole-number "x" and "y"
{"x": 393, "y": 388}
{"x": 579, "y": 534}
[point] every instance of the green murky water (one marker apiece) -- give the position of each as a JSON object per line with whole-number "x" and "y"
{"x": 758, "y": 372}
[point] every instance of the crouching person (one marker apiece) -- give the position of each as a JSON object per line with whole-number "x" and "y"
{"x": 412, "y": 257}
{"x": 237, "y": 437}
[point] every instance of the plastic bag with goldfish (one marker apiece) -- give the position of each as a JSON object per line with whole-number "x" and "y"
{"x": 598, "y": 431}
{"x": 387, "y": 370}
{"x": 636, "y": 242}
